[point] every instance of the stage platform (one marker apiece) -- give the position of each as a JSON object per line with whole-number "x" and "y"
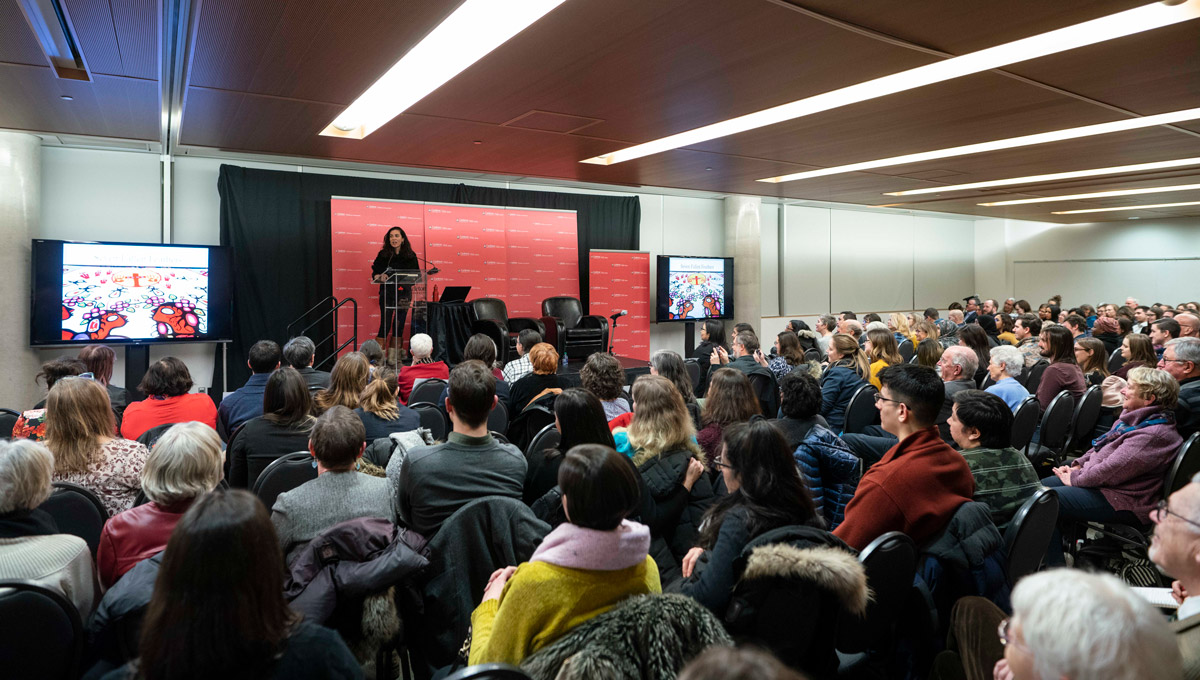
{"x": 569, "y": 375}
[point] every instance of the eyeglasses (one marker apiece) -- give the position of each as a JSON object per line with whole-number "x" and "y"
{"x": 1164, "y": 510}
{"x": 879, "y": 397}
{"x": 722, "y": 464}
{"x": 1006, "y": 637}
{"x": 83, "y": 376}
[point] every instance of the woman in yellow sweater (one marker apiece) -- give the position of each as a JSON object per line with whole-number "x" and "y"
{"x": 581, "y": 569}
{"x": 882, "y": 351}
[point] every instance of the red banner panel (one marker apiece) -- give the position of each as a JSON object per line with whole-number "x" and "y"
{"x": 543, "y": 259}
{"x": 620, "y": 280}
{"x": 460, "y": 239}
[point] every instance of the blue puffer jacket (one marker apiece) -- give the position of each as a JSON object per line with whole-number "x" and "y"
{"x": 837, "y": 386}
{"x": 831, "y": 472}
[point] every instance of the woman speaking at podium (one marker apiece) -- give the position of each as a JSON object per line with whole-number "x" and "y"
{"x": 396, "y": 253}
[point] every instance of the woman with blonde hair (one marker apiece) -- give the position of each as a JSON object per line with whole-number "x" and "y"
{"x": 898, "y": 324}
{"x": 848, "y": 369}
{"x": 80, "y": 429}
{"x": 184, "y": 465}
{"x": 346, "y": 382}
{"x": 380, "y": 409}
{"x": 881, "y": 352}
{"x": 925, "y": 329}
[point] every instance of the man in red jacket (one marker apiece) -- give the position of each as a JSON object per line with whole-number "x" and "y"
{"x": 919, "y": 482}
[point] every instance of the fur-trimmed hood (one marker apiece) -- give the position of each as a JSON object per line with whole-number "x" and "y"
{"x": 828, "y": 568}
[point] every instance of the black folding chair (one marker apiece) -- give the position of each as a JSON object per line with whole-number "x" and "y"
{"x": 41, "y": 634}
{"x": 547, "y": 438}
{"x": 890, "y": 562}
{"x": 150, "y": 437}
{"x": 814, "y": 355}
{"x": 1083, "y": 422}
{"x": 1032, "y": 377}
{"x": 498, "y": 418}
{"x": 428, "y": 391}
{"x": 1025, "y": 422}
{"x": 860, "y": 410}
{"x": 284, "y": 474}
{"x": 907, "y": 350}
{"x": 432, "y": 418}
{"x": 1056, "y": 427}
{"x": 1028, "y": 534}
{"x": 1115, "y": 360}
{"x": 77, "y": 511}
{"x": 693, "y": 369}
{"x": 1184, "y": 467}
{"x": 8, "y": 418}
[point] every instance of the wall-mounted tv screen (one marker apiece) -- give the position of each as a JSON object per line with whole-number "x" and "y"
{"x": 694, "y": 288}
{"x": 121, "y": 293}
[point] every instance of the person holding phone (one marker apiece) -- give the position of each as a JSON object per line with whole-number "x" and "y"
{"x": 749, "y": 359}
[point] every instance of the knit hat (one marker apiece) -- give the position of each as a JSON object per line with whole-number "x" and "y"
{"x": 1105, "y": 324}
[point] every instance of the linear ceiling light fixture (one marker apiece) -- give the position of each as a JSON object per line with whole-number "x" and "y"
{"x": 470, "y": 33}
{"x": 1098, "y": 194}
{"x": 1053, "y": 177}
{"x": 1128, "y": 207}
{"x": 1148, "y": 17}
{"x": 999, "y": 144}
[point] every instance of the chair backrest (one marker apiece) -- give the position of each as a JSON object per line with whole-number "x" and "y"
{"x": 907, "y": 350}
{"x": 546, "y": 438}
{"x": 77, "y": 511}
{"x": 861, "y": 411}
{"x": 490, "y": 308}
{"x": 693, "y": 369}
{"x": 1083, "y": 421}
{"x": 428, "y": 389}
{"x": 284, "y": 474}
{"x": 150, "y": 437}
{"x": 813, "y": 355}
{"x": 1115, "y": 360}
{"x": 1025, "y": 422}
{"x": 499, "y": 436}
{"x": 432, "y": 418}
{"x": 765, "y": 389}
{"x": 8, "y": 418}
{"x": 490, "y": 671}
{"x": 890, "y": 562}
{"x": 1056, "y": 421}
{"x": 1186, "y": 464}
{"x": 568, "y": 309}
{"x": 1032, "y": 376}
{"x": 498, "y": 418}
{"x": 41, "y": 634}
{"x": 1028, "y": 534}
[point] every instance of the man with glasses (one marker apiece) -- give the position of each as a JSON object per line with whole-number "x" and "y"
{"x": 919, "y": 483}
{"x": 1175, "y": 549}
{"x": 1181, "y": 358}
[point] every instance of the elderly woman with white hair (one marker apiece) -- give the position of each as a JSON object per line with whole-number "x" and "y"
{"x": 185, "y": 464}
{"x": 1007, "y": 363}
{"x": 31, "y": 546}
{"x": 423, "y": 365}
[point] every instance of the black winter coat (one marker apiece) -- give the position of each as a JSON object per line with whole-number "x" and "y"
{"x": 672, "y": 513}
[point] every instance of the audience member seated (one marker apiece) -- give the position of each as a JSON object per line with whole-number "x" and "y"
{"x": 246, "y": 402}
{"x": 220, "y": 587}
{"x": 712, "y": 338}
{"x": 881, "y": 352}
{"x": 737, "y": 663}
{"x": 800, "y": 407}
{"x": 981, "y": 425}
{"x": 79, "y": 432}
{"x": 1161, "y": 331}
{"x": 661, "y": 441}
{"x": 975, "y": 339}
{"x": 1175, "y": 551}
{"x": 283, "y": 428}
{"x": 957, "y": 317}
{"x": 184, "y": 465}
{"x": 32, "y": 424}
{"x": 671, "y": 366}
{"x": 373, "y": 352}
{"x": 544, "y": 378}
{"x": 432, "y": 482}
{"x": 847, "y": 371}
{"x": 482, "y": 348}
{"x": 765, "y": 493}
{"x": 603, "y": 376}
{"x": 166, "y": 386}
{"x": 987, "y": 323}
{"x": 925, "y": 329}
{"x": 581, "y": 569}
{"x": 380, "y": 410}
{"x": 745, "y": 355}
{"x": 31, "y": 546}
{"x": 1026, "y": 329}
{"x": 1006, "y": 325}
{"x": 919, "y": 483}
{"x": 898, "y": 324}
{"x": 853, "y": 328}
{"x": 1077, "y": 325}
{"x": 730, "y": 400}
{"x": 1093, "y": 363}
{"x": 423, "y": 365}
{"x": 1181, "y": 358}
{"x": 948, "y": 332}
{"x": 1189, "y": 324}
{"x": 1136, "y": 350}
{"x": 300, "y": 353}
{"x": 579, "y": 419}
{"x": 1108, "y": 332}
{"x": 1006, "y": 364}
{"x": 1058, "y": 347}
{"x": 1120, "y": 477}
{"x": 957, "y": 368}
{"x": 521, "y": 366}
{"x": 99, "y": 361}
{"x": 789, "y": 355}
{"x": 826, "y": 327}
{"x": 347, "y": 380}
{"x": 929, "y": 352}
{"x": 339, "y": 492}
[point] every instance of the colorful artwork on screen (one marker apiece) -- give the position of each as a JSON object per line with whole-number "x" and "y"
{"x": 696, "y": 295}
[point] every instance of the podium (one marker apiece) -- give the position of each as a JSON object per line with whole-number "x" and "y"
{"x": 404, "y": 290}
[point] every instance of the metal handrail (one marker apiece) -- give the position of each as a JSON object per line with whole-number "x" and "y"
{"x": 352, "y": 342}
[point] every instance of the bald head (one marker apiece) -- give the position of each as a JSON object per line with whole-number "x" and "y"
{"x": 1189, "y": 325}
{"x": 956, "y": 315}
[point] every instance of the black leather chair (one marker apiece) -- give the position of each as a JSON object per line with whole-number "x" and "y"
{"x": 547, "y": 438}
{"x": 429, "y": 390}
{"x": 890, "y": 562}
{"x": 8, "y": 418}
{"x": 498, "y": 418}
{"x": 284, "y": 474}
{"x": 1028, "y": 534}
{"x": 490, "y": 671}
{"x": 907, "y": 350}
{"x": 1115, "y": 360}
{"x": 492, "y": 320}
{"x": 432, "y": 418}
{"x": 1185, "y": 465}
{"x": 860, "y": 410}
{"x": 570, "y": 330}
{"x": 1055, "y": 429}
{"x": 77, "y": 511}
{"x": 1083, "y": 422}
{"x": 1025, "y": 422}
{"x": 41, "y": 634}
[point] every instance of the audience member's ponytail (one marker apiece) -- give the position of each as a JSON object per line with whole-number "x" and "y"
{"x": 853, "y": 357}
{"x": 379, "y": 396}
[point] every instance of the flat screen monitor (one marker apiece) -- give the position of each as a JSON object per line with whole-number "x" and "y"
{"x": 122, "y": 293}
{"x": 694, "y": 288}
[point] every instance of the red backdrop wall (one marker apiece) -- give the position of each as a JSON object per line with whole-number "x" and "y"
{"x": 620, "y": 280}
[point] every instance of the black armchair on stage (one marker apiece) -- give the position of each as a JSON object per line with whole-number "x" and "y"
{"x": 570, "y": 330}
{"x": 491, "y": 319}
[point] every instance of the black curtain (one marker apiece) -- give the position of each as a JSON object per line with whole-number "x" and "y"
{"x": 278, "y": 224}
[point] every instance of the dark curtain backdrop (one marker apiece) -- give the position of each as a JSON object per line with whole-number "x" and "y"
{"x": 277, "y": 225}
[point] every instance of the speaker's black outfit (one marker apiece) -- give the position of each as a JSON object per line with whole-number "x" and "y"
{"x": 389, "y": 259}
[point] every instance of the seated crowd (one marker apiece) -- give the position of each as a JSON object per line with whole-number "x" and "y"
{"x": 709, "y": 502}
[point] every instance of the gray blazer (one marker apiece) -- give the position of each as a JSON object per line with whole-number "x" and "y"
{"x": 301, "y": 514}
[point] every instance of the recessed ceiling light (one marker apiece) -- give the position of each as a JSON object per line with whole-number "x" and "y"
{"x": 1154, "y": 15}
{"x": 471, "y": 32}
{"x": 477, "y": 142}
{"x": 1128, "y": 207}
{"x": 1097, "y": 194}
{"x": 66, "y": 97}
{"x": 1053, "y": 177}
{"x": 1010, "y": 143}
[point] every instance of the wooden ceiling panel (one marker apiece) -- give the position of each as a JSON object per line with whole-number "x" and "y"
{"x": 106, "y": 107}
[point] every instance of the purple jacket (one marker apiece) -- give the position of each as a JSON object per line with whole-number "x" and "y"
{"x": 1129, "y": 470}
